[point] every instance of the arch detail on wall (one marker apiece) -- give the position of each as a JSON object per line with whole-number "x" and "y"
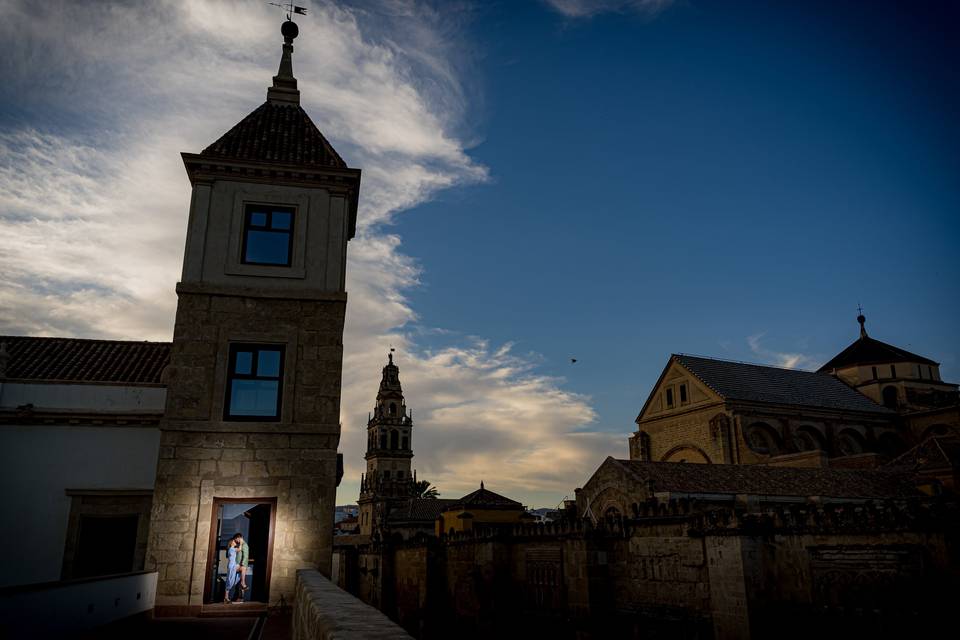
{"x": 686, "y": 453}
{"x": 763, "y": 439}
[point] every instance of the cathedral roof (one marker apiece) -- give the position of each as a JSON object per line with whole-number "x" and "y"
{"x": 278, "y": 133}
{"x": 78, "y": 360}
{"x": 866, "y": 350}
{"x": 762, "y": 480}
{"x": 758, "y": 383}
{"x": 483, "y": 498}
{"x": 933, "y": 453}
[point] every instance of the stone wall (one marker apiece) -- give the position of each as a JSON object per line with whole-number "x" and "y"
{"x": 678, "y": 572}
{"x": 292, "y": 462}
{"x": 323, "y": 611}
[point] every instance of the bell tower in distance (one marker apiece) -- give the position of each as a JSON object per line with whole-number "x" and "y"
{"x": 389, "y": 453}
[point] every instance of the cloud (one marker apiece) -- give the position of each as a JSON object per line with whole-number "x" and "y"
{"x": 100, "y": 100}
{"x": 783, "y": 359}
{"x": 588, "y": 8}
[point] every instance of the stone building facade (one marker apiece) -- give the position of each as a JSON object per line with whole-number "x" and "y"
{"x": 904, "y": 382}
{"x": 253, "y": 384}
{"x": 868, "y": 405}
{"x": 704, "y": 410}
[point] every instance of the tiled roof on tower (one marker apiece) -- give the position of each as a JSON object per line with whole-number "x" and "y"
{"x": 279, "y": 130}
{"x": 275, "y": 132}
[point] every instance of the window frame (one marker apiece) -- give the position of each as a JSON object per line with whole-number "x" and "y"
{"x": 668, "y": 397}
{"x": 236, "y": 347}
{"x": 249, "y": 209}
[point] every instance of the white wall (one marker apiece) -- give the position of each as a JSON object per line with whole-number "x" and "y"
{"x": 74, "y": 606}
{"x": 38, "y": 463}
{"x": 83, "y": 397}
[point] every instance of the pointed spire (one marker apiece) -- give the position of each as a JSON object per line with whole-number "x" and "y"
{"x": 481, "y": 484}
{"x": 284, "y": 89}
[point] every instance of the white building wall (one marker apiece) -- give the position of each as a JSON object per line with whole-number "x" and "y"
{"x": 83, "y": 397}
{"x": 40, "y": 462}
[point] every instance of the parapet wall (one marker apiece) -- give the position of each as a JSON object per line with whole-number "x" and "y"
{"x": 324, "y": 611}
{"x": 675, "y": 569}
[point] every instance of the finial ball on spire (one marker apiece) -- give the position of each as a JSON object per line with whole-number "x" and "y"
{"x": 290, "y": 30}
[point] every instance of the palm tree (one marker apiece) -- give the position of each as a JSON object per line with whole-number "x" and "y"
{"x": 422, "y": 489}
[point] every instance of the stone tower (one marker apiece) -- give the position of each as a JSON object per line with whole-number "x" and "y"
{"x": 253, "y": 385}
{"x": 388, "y": 480}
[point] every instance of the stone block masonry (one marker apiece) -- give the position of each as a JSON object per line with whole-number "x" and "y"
{"x": 323, "y": 610}
{"x": 203, "y": 458}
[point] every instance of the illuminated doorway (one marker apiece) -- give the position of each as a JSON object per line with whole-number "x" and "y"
{"x": 254, "y": 519}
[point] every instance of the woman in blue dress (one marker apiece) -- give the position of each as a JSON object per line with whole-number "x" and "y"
{"x": 233, "y": 575}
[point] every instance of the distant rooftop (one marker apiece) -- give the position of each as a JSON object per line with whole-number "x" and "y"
{"x": 760, "y": 480}
{"x": 483, "y": 498}
{"x": 79, "y": 360}
{"x": 420, "y": 510}
{"x": 867, "y": 351}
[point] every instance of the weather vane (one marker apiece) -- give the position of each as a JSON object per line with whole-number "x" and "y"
{"x": 859, "y": 309}
{"x": 290, "y": 8}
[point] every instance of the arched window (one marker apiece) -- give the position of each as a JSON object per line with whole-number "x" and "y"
{"x": 383, "y": 439}
{"x": 394, "y": 439}
{"x": 762, "y": 438}
{"x": 890, "y": 400}
{"x": 850, "y": 443}
{"x": 393, "y": 408}
{"x": 611, "y": 512}
{"x": 808, "y": 439}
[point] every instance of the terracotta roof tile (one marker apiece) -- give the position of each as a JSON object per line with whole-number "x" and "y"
{"x": 77, "y": 360}
{"x": 770, "y": 481}
{"x": 276, "y": 133}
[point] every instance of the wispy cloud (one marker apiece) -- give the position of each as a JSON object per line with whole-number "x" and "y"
{"x": 587, "y": 8}
{"x": 100, "y": 100}
{"x": 788, "y": 360}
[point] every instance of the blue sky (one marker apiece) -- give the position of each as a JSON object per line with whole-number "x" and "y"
{"x": 687, "y": 181}
{"x": 611, "y": 181}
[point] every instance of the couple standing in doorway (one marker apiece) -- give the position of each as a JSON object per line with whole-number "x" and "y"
{"x": 238, "y": 557}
